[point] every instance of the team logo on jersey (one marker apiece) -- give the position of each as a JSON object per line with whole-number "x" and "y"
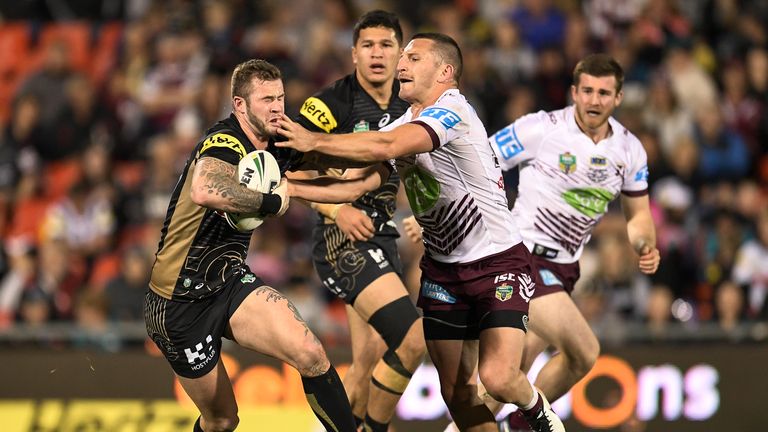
{"x": 597, "y": 175}
{"x": 436, "y": 292}
{"x": 248, "y": 278}
{"x": 361, "y": 126}
{"x": 384, "y": 120}
{"x": 567, "y": 162}
{"x": 447, "y": 117}
{"x": 504, "y": 292}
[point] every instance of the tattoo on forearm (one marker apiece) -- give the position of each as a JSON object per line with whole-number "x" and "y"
{"x": 220, "y": 180}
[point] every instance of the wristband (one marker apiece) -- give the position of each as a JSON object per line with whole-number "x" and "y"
{"x": 270, "y": 204}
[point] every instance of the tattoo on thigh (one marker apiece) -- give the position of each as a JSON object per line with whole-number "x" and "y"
{"x": 275, "y": 296}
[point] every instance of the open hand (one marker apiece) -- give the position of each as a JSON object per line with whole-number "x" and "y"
{"x": 296, "y": 136}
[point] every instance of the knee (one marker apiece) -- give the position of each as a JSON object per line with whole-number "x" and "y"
{"x": 222, "y": 423}
{"x": 499, "y": 379}
{"x": 412, "y": 348}
{"x": 310, "y": 358}
{"x": 584, "y": 358}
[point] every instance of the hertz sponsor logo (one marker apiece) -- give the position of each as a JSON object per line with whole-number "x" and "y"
{"x": 319, "y": 114}
{"x": 223, "y": 140}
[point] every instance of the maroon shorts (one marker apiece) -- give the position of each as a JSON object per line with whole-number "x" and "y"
{"x": 460, "y": 300}
{"x": 553, "y": 277}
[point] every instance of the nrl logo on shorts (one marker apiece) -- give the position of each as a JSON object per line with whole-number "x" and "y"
{"x": 249, "y": 278}
{"x": 504, "y": 292}
{"x": 567, "y": 162}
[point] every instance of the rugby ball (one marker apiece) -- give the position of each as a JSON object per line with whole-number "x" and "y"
{"x": 258, "y": 170}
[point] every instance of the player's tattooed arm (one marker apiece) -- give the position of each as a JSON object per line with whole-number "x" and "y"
{"x": 215, "y": 185}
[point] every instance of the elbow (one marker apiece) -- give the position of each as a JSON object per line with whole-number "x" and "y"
{"x": 199, "y": 197}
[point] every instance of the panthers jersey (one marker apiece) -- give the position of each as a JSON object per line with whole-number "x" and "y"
{"x": 566, "y": 180}
{"x": 198, "y": 250}
{"x": 456, "y": 190}
{"x": 346, "y": 107}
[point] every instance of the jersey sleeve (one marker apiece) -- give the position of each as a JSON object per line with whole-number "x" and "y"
{"x": 445, "y": 121}
{"x": 224, "y": 146}
{"x": 520, "y": 140}
{"x": 636, "y": 174}
{"x": 323, "y": 112}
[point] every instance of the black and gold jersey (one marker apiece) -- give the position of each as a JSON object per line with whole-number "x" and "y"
{"x": 345, "y": 107}
{"x": 198, "y": 250}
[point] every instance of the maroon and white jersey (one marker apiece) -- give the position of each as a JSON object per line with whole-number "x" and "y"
{"x": 567, "y": 180}
{"x": 456, "y": 190}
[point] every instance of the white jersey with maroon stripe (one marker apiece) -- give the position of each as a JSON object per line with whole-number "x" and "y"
{"x": 566, "y": 180}
{"x": 456, "y": 191}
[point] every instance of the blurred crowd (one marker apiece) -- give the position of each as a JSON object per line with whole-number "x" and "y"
{"x": 102, "y": 102}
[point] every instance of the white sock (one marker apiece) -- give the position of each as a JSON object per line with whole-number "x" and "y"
{"x": 533, "y": 401}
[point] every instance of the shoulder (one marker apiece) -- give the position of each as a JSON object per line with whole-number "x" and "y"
{"x": 225, "y": 137}
{"x": 627, "y": 138}
{"x": 326, "y": 109}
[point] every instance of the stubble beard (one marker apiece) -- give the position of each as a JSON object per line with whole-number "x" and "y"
{"x": 258, "y": 126}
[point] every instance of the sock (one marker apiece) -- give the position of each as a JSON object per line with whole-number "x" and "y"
{"x": 358, "y": 420}
{"x": 531, "y": 410}
{"x": 196, "y": 427}
{"x": 327, "y": 398}
{"x": 372, "y": 425}
{"x": 533, "y": 401}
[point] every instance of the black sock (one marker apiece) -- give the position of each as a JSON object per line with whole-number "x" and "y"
{"x": 327, "y": 398}
{"x": 372, "y": 425}
{"x": 196, "y": 427}
{"x": 358, "y": 420}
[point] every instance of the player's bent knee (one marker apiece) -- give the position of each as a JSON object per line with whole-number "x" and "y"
{"x": 310, "y": 358}
{"x": 585, "y": 357}
{"x": 497, "y": 380}
{"x": 394, "y": 320}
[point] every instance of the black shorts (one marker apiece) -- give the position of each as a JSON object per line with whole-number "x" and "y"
{"x": 346, "y": 268}
{"x": 189, "y": 333}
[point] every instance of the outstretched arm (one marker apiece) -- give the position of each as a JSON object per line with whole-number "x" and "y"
{"x": 641, "y": 231}
{"x": 377, "y": 146}
{"x": 215, "y": 186}
{"x": 339, "y": 190}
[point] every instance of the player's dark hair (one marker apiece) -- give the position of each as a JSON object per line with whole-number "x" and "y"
{"x": 378, "y": 18}
{"x": 599, "y": 65}
{"x": 247, "y": 70}
{"x": 447, "y": 49}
